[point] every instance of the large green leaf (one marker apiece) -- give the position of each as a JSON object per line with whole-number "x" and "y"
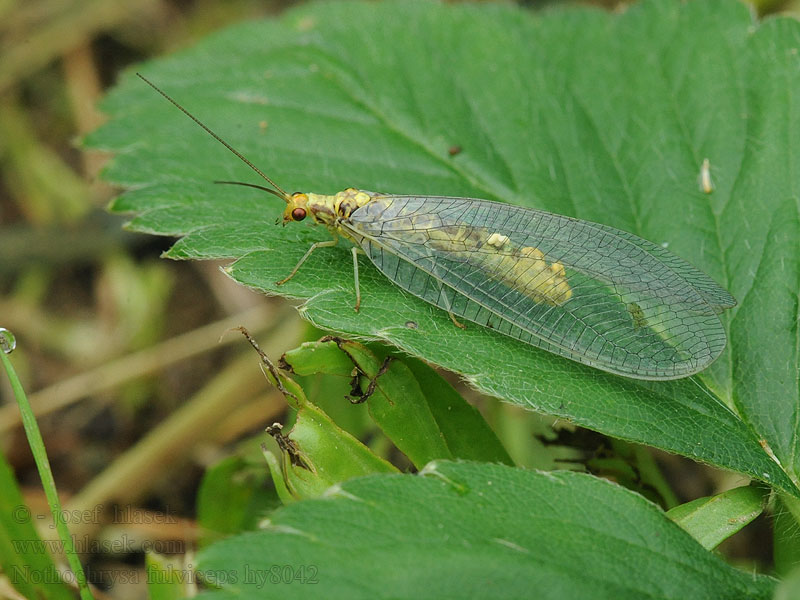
{"x": 472, "y": 530}
{"x": 599, "y": 116}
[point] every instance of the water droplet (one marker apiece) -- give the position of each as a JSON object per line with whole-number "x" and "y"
{"x": 7, "y": 340}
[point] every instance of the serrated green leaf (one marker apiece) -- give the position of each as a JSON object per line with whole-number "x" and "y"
{"x": 712, "y": 519}
{"x": 490, "y": 530}
{"x": 321, "y": 455}
{"x": 468, "y": 435}
{"x": 317, "y": 357}
{"x": 316, "y": 453}
{"x": 419, "y": 411}
{"x": 603, "y": 117}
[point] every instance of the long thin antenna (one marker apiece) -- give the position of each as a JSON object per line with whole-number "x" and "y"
{"x": 250, "y": 185}
{"x": 279, "y": 193}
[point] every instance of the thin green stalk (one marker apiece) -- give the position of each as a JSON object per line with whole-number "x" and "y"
{"x": 45, "y": 473}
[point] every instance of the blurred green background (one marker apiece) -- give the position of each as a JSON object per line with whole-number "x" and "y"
{"x": 120, "y": 350}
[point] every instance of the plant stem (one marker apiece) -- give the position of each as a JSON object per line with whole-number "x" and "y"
{"x": 48, "y": 483}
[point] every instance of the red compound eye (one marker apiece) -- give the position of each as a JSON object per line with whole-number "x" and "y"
{"x": 298, "y": 214}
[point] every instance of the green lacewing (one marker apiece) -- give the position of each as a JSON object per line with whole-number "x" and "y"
{"x": 589, "y": 292}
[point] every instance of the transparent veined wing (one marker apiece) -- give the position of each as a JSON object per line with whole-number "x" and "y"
{"x": 715, "y": 294}
{"x": 586, "y": 291}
